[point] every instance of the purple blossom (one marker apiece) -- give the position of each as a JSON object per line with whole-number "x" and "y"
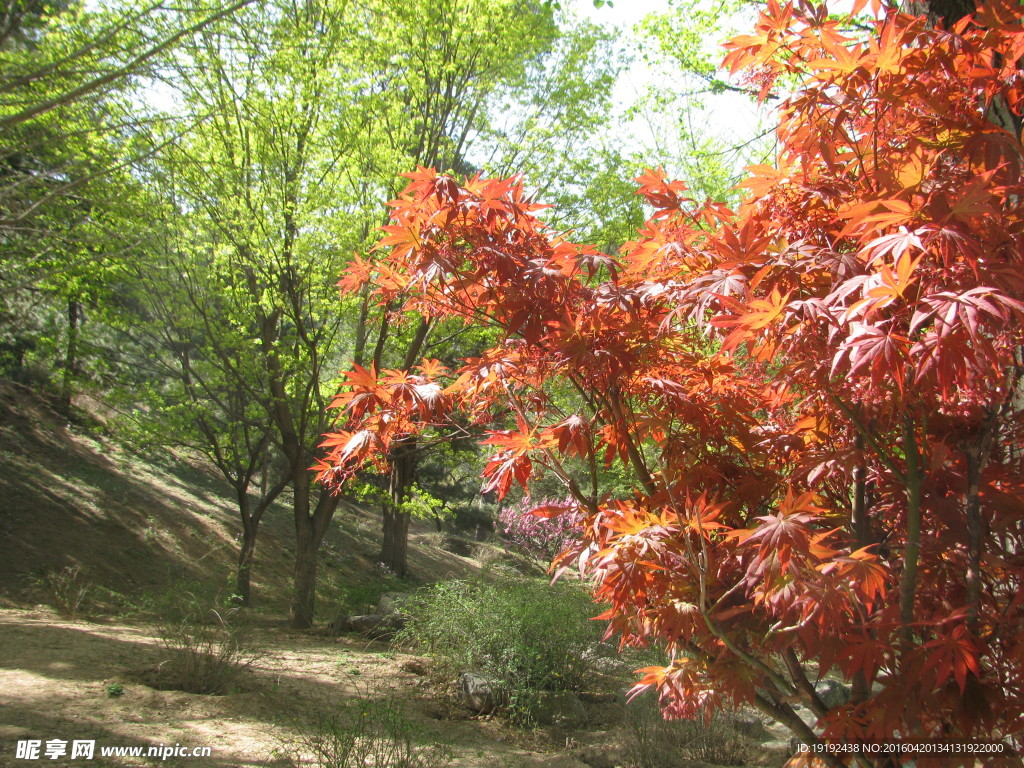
{"x": 540, "y": 536}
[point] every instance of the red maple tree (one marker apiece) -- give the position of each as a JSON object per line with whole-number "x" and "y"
{"x": 818, "y": 395}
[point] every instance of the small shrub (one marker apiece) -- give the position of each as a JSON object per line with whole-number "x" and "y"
{"x": 653, "y": 742}
{"x": 541, "y": 537}
{"x": 362, "y": 596}
{"x": 370, "y": 732}
{"x": 67, "y": 589}
{"x": 171, "y": 601}
{"x": 526, "y": 635}
{"x": 115, "y": 689}
{"x": 207, "y": 648}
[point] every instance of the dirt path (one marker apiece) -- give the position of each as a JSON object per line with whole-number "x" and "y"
{"x": 55, "y": 674}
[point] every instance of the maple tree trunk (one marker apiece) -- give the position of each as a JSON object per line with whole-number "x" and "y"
{"x": 784, "y": 714}
{"x": 402, "y": 460}
{"x": 977, "y": 454}
{"x": 859, "y": 688}
{"x": 972, "y": 511}
{"x": 395, "y": 548}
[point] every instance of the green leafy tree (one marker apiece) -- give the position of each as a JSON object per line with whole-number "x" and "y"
{"x": 260, "y": 184}
{"x": 67, "y": 126}
{"x": 681, "y": 46}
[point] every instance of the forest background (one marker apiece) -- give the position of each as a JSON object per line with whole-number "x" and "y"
{"x": 184, "y": 186}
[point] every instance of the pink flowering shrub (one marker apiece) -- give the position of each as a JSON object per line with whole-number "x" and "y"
{"x": 543, "y": 537}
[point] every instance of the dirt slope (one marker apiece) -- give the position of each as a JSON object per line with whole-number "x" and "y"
{"x": 132, "y": 525}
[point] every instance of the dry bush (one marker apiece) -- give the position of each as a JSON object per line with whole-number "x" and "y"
{"x": 205, "y": 648}
{"x": 368, "y": 732}
{"x": 653, "y": 742}
{"x": 67, "y": 590}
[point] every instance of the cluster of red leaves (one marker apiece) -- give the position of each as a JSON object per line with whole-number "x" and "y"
{"x": 816, "y": 394}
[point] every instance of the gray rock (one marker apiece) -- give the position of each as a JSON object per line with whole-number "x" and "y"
{"x": 832, "y": 692}
{"x": 748, "y": 724}
{"x": 558, "y": 707}
{"x": 390, "y": 604}
{"x": 339, "y": 624}
{"x": 773, "y": 753}
{"x": 481, "y": 694}
{"x": 610, "y": 666}
{"x": 376, "y": 627}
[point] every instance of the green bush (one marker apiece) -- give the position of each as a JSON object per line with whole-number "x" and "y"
{"x": 369, "y": 732}
{"x": 527, "y": 635}
{"x": 362, "y": 596}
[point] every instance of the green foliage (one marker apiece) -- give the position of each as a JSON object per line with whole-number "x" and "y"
{"x": 682, "y": 47}
{"x": 422, "y": 505}
{"x": 363, "y": 595}
{"x": 72, "y": 209}
{"x": 368, "y": 732}
{"x": 526, "y": 634}
{"x": 115, "y": 689}
{"x": 450, "y": 473}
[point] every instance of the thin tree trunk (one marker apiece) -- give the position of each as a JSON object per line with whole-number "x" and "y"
{"x": 71, "y": 360}
{"x": 250, "y": 528}
{"x": 246, "y": 558}
{"x": 859, "y": 688}
{"x": 912, "y": 549}
{"x": 304, "y": 595}
{"x": 303, "y": 606}
{"x": 311, "y": 524}
{"x": 364, "y": 311}
{"x": 977, "y": 454}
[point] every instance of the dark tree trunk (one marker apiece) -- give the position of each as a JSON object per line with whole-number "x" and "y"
{"x": 247, "y": 553}
{"x": 303, "y": 606}
{"x": 71, "y": 360}
{"x": 395, "y": 548}
{"x": 310, "y": 526}
{"x": 360, "y": 340}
